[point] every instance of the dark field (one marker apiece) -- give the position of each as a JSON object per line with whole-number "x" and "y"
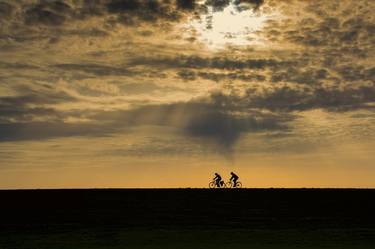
{"x": 187, "y": 218}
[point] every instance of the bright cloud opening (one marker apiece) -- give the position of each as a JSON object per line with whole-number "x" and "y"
{"x": 235, "y": 25}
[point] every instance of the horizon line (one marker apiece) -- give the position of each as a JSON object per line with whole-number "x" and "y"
{"x": 195, "y": 188}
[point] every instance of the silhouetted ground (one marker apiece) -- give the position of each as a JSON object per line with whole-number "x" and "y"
{"x": 187, "y": 218}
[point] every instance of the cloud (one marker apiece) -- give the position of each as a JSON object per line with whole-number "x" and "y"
{"x": 208, "y": 120}
{"x": 32, "y": 105}
{"x": 300, "y": 98}
{"x": 32, "y": 96}
{"x": 308, "y": 76}
{"x": 119, "y": 61}
{"x": 226, "y": 128}
{"x": 48, "y": 13}
{"x": 222, "y": 62}
{"x": 186, "y": 4}
{"x": 123, "y": 5}
{"x": 190, "y": 75}
{"x": 6, "y": 10}
{"x": 18, "y": 66}
{"x": 328, "y": 26}
{"x": 59, "y": 13}
{"x": 94, "y": 69}
{"x": 241, "y": 5}
{"x": 47, "y": 130}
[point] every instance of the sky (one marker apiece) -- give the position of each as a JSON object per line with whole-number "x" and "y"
{"x": 164, "y": 93}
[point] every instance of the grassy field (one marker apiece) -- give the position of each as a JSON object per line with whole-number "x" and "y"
{"x": 187, "y": 218}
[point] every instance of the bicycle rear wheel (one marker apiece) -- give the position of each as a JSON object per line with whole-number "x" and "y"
{"x": 212, "y": 185}
{"x": 229, "y": 185}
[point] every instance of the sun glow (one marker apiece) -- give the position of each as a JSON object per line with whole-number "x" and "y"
{"x": 234, "y": 25}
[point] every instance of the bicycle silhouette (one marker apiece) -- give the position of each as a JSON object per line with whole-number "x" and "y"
{"x": 214, "y": 185}
{"x": 229, "y": 184}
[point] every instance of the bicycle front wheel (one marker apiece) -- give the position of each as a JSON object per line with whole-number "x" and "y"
{"x": 239, "y": 185}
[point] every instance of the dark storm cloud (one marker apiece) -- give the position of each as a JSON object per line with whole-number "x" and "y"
{"x": 132, "y": 11}
{"x": 226, "y": 128}
{"x": 11, "y": 115}
{"x": 30, "y": 105}
{"x": 161, "y": 8}
{"x": 123, "y": 5}
{"x": 201, "y": 119}
{"x": 48, "y": 13}
{"x": 20, "y": 117}
{"x": 6, "y": 10}
{"x": 232, "y": 76}
{"x": 167, "y": 9}
{"x": 331, "y": 28}
{"x": 300, "y": 75}
{"x": 192, "y": 75}
{"x": 219, "y": 5}
{"x": 94, "y": 69}
{"x": 54, "y": 17}
{"x": 187, "y": 75}
{"x": 209, "y": 120}
{"x": 57, "y": 13}
{"x": 129, "y": 12}
{"x": 356, "y": 73}
{"x": 288, "y": 98}
{"x": 186, "y": 4}
{"x": 215, "y": 62}
{"x": 17, "y": 65}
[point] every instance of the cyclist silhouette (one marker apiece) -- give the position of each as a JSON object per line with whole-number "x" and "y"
{"x": 234, "y": 178}
{"x": 217, "y": 179}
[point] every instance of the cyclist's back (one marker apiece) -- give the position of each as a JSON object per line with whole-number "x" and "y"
{"x": 217, "y": 180}
{"x": 234, "y": 178}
